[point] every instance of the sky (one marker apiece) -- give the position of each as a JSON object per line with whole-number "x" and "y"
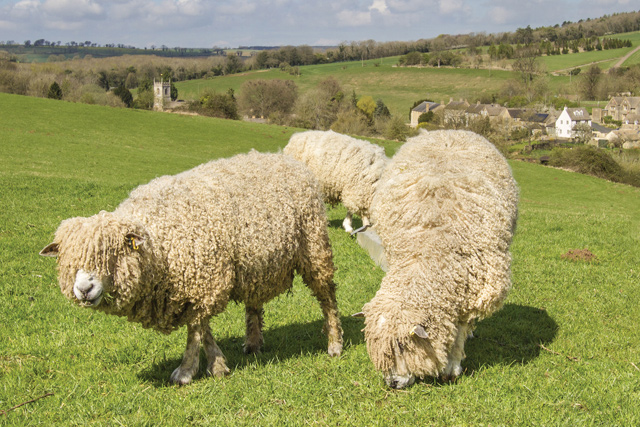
{"x": 234, "y": 23}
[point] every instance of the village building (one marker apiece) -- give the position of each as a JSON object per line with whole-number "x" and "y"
{"x": 619, "y": 107}
{"x": 161, "y": 94}
{"x": 422, "y": 108}
{"x": 455, "y": 111}
{"x": 570, "y": 118}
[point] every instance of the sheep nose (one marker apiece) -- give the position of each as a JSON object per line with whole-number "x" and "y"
{"x": 85, "y": 286}
{"x": 85, "y": 289}
{"x": 393, "y": 384}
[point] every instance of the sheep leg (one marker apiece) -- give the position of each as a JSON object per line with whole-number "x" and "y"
{"x": 346, "y": 224}
{"x": 191, "y": 359}
{"x": 456, "y": 354}
{"x": 326, "y": 296}
{"x": 254, "y": 340}
{"x": 216, "y": 362}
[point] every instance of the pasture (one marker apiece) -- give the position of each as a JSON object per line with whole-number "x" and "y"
{"x": 563, "y": 350}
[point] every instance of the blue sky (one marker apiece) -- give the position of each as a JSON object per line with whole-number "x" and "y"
{"x": 232, "y": 23}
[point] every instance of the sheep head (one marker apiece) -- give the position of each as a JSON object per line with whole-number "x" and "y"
{"x": 99, "y": 260}
{"x": 399, "y": 340}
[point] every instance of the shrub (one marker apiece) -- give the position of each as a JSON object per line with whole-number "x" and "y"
{"x": 214, "y": 104}
{"x": 124, "y": 94}
{"x": 55, "y": 92}
{"x": 426, "y": 117}
{"x": 592, "y": 161}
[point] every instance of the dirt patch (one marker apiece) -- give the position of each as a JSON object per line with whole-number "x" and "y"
{"x": 580, "y": 255}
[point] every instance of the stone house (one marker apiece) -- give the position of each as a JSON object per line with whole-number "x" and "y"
{"x": 632, "y": 120}
{"x": 456, "y": 111}
{"x": 422, "y": 108}
{"x": 570, "y": 118}
{"x": 619, "y": 107}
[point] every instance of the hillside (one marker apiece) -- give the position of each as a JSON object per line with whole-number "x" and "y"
{"x": 563, "y": 351}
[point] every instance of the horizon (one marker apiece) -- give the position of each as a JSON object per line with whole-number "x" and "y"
{"x": 235, "y": 23}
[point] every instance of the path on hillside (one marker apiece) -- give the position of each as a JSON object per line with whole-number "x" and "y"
{"x": 624, "y": 58}
{"x": 616, "y": 65}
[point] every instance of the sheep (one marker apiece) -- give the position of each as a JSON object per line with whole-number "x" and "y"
{"x": 445, "y": 211}
{"x": 181, "y": 247}
{"x": 348, "y": 169}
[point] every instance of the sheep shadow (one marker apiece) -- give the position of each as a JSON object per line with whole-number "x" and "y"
{"x": 513, "y": 335}
{"x": 280, "y": 343}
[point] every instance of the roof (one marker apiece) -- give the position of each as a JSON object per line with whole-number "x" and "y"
{"x": 426, "y": 106}
{"x": 457, "y": 105}
{"x": 599, "y": 128}
{"x": 578, "y": 114}
{"x": 494, "y": 110}
{"x": 632, "y": 118}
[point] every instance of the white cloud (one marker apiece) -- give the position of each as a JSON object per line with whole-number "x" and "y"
{"x": 72, "y": 8}
{"x": 499, "y": 15}
{"x": 353, "y": 18}
{"x": 379, "y": 6}
{"x": 450, "y": 6}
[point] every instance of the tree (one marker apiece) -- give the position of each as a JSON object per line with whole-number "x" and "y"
{"x": 54, "y": 91}
{"x": 589, "y": 82}
{"x": 124, "y": 94}
{"x": 396, "y": 129}
{"x": 526, "y": 63}
{"x": 173, "y": 92}
{"x": 381, "y": 110}
{"x": 103, "y": 80}
{"x": 582, "y": 133}
{"x": 367, "y": 105}
{"x": 215, "y": 104}
{"x": 265, "y": 97}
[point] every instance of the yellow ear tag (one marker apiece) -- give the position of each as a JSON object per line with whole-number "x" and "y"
{"x": 131, "y": 242}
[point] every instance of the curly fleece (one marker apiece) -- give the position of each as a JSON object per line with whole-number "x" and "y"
{"x": 347, "y": 168}
{"x": 231, "y": 229}
{"x": 445, "y": 210}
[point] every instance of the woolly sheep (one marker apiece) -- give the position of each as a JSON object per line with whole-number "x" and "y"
{"x": 348, "y": 169}
{"x": 181, "y": 247}
{"x": 445, "y": 211}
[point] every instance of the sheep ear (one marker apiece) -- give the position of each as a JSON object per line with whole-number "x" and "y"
{"x": 134, "y": 241}
{"x": 51, "y": 250}
{"x": 420, "y": 331}
{"x": 361, "y": 314}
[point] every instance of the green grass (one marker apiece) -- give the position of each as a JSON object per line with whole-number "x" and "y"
{"x": 59, "y": 160}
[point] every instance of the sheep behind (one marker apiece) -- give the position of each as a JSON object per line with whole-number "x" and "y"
{"x": 347, "y": 168}
{"x": 445, "y": 211}
{"x": 181, "y": 247}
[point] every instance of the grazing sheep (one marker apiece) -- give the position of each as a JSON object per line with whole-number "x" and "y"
{"x": 181, "y": 247}
{"x": 348, "y": 169}
{"x": 445, "y": 210}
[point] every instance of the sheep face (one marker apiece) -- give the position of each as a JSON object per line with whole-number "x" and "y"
{"x": 99, "y": 260}
{"x": 398, "y": 345}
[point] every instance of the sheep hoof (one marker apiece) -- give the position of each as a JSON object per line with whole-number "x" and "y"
{"x": 251, "y": 349}
{"x": 448, "y": 378}
{"x": 335, "y": 349}
{"x": 179, "y": 377}
{"x": 218, "y": 370}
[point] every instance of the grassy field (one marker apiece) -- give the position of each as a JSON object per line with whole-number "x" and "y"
{"x": 563, "y": 351}
{"x": 398, "y": 87}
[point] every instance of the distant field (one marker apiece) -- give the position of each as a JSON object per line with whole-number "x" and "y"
{"x": 563, "y": 350}
{"x": 604, "y": 58}
{"x": 398, "y": 87}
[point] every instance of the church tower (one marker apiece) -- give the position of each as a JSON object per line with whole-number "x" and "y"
{"x": 161, "y": 94}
